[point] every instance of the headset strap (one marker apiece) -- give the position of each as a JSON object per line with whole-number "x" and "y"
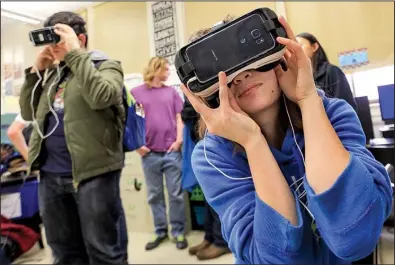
{"x": 186, "y": 69}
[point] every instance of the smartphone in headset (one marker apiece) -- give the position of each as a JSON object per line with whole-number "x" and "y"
{"x": 44, "y": 36}
{"x": 230, "y": 47}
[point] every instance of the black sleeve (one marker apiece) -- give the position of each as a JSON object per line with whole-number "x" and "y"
{"x": 188, "y": 113}
{"x": 190, "y": 116}
{"x": 339, "y": 85}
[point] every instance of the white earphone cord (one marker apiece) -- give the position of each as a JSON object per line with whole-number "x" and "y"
{"x": 56, "y": 80}
{"x": 300, "y": 196}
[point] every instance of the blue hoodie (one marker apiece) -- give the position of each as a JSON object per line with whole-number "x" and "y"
{"x": 349, "y": 216}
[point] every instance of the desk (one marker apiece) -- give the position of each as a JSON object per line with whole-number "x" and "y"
{"x": 383, "y": 153}
{"x": 387, "y": 131}
{"x": 11, "y": 181}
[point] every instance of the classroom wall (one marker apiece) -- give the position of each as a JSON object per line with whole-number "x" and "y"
{"x": 18, "y": 50}
{"x": 204, "y": 14}
{"x": 342, "y": 26}
{"x": 120, "y": 30}
{"x": 83, "y": 14}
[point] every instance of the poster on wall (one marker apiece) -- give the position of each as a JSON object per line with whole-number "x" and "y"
{"x": 164, "y": 22}
{"x": 13, "y": 78}
{"x": 353, "y": 59}
{"x": 18, "y": 71}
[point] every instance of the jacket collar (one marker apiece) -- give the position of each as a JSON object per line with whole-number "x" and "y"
{"x": 321, "y": 70}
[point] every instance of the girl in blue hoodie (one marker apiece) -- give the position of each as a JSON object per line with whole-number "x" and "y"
{"x": 287, "y": 170}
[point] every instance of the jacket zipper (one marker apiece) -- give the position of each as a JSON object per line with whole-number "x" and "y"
{"x": 75, "y": 183}
{"x": 42, "y": 129}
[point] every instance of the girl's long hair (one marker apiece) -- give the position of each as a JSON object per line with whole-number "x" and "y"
{"x": 319, "y": 56}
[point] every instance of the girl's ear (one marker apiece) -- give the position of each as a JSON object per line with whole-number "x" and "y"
{"x": 315, "y": 46}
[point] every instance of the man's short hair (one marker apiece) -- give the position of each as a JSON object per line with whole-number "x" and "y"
{"x": 75, "y": 21}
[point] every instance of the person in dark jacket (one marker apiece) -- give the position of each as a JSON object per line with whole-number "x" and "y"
{"x": 213, "y": 245}
{"x": 327, "y": 76}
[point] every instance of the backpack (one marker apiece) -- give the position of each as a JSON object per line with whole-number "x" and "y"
{"x": 134, "y": 129}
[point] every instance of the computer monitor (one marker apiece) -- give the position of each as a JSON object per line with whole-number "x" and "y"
{"x": 386, "y": 100}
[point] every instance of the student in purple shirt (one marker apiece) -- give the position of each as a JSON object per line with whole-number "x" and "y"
{"x": 162, "y": 154}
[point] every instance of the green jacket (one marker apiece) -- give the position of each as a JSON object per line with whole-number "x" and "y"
{"x": 93, "y": 115}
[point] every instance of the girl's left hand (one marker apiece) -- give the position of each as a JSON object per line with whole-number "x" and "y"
{"x": 297, "y": 83}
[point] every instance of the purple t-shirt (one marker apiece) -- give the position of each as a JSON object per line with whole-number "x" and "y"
{"x": 160, "y": 104}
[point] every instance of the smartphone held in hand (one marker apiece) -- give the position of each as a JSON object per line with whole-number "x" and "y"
{"x": 44, "y": 36}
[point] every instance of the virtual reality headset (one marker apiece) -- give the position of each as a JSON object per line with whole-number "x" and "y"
{"x": 246, "y": 43}
{"x": 44, "y": 36}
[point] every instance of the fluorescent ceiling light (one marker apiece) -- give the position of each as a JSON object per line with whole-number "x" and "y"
{"x": 20, "y": 17}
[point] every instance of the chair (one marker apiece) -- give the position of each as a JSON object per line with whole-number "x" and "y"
{"x": 365, "y": 117}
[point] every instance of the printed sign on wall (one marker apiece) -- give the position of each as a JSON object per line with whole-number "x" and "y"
{"x": 164, "y": 22}
{"x": 353, "y": 58}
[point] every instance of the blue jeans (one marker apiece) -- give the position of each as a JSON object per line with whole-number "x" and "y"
{"x": 87, "y": 226}
{"x": 155, "y": 165}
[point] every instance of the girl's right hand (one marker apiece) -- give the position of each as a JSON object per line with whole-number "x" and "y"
{"x": 228, "y": 120}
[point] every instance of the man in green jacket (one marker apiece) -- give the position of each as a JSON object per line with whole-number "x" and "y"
{"x": 77, "y": 146}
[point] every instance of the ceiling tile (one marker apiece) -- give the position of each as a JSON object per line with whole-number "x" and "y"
{"x": 42, "y": 10}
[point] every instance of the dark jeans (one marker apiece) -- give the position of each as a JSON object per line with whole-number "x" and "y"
{"x": 87, "y": 226}
{"x": 212, "y": 228}
{"x": 4, "y": 258}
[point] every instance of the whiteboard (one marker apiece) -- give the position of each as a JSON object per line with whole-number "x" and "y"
{"x": 11, "y": 205}
{"x": 174, "y": 81}
{"x": 366, "y": 82}
{"x": 133, "y": 80}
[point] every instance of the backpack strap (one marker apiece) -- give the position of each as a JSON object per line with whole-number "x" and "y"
{"x": 97, "y": 64}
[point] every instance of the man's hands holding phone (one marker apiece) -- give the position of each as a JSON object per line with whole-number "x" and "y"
{"x": 228, "y": 120}
{"x": 69, "y": 40}
{"x": 68, "y": 37}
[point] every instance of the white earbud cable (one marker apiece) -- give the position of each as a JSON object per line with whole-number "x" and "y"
{"x": 55, "y": 82}
{"x": 300, "y": 196}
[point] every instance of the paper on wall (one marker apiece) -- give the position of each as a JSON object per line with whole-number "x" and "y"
{"x": 11, "y": 206}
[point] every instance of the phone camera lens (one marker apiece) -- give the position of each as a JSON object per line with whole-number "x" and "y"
{"x": 242, "y": 40}
{"x": 260, "y": 41}
{"x": 255, "y": 33}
